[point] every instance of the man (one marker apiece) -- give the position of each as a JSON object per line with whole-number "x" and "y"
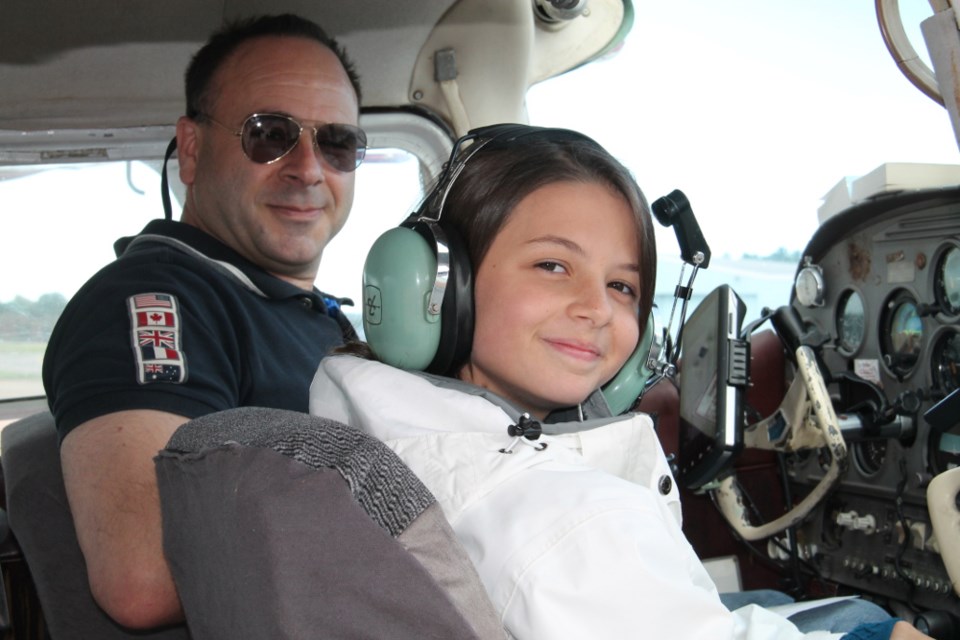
{"x": 216, "y": 311}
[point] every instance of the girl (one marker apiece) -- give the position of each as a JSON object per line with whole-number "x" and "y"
{"x": 575, "y": 534}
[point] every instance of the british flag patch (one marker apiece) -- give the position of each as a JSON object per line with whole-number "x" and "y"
{"x": 155, "y": 334}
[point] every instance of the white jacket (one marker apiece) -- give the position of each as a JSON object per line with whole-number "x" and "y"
{"x": 578, "y": 540}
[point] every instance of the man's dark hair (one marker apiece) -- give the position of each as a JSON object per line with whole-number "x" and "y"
{"x": 221, "y": 44}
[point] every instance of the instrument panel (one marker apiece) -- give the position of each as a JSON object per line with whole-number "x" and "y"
{"x": 878, "y": 293}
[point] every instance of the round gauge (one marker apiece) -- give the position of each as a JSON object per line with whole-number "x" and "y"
{"x": 944, "y": 450}
{"x": 850, "y": 321}
{"x": 948, "y": 281}
{"x": 903, "y": 334}
{"x": 809, "y": 286}
{"x": 946, "y": 361}
{"x": 869, "y": 456}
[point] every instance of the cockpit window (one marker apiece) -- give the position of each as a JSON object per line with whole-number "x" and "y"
{"x": 59, "y": 228}
{"x": 60, "y": 222}
{"x": 755, "y": 119}
{"x": 753, "y": 124}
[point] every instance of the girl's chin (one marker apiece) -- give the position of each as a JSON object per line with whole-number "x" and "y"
{"x": 563, "y": 401}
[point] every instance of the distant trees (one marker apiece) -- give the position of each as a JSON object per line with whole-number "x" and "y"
{"x": 23, "y": 320}
{"x": 780, "y": 255}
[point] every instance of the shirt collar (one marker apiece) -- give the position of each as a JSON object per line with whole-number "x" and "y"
{"x": 193, "y": 241}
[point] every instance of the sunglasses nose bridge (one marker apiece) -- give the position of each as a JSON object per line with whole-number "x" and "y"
{"x": 314, "y": 140}
{"x": 309, "y": 130}
{"x": 295, "y": 138}
{"x": 321, "y": 154}
{"x": 311, "y": 143}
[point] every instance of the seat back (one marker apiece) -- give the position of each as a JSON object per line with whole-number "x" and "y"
{"x": 318, "y": 530}
{"x": 40, "y": 518}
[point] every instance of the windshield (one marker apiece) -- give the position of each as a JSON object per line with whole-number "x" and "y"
{"x": 70, "y": 216}
{"x": 755, "y": 115}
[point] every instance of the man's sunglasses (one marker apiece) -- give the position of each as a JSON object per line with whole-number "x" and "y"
{"x": 267, "y": 137}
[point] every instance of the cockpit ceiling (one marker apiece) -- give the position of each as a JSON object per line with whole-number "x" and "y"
{"x": 102, "y": 64}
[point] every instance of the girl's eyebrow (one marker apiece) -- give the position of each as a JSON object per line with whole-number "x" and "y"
{"x": 552, "y": 239}
{"x": 576, "y": 248}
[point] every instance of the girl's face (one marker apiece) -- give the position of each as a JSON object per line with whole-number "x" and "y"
{"x": 556, "y": 298}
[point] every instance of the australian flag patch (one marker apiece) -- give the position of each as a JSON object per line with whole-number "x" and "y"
{"x": 156, "y": 338}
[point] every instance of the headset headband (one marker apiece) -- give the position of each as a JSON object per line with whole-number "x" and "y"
{"x": 432, "y": 207}
{"x": 418, "y": 280}
{"x": 493, "y": 137}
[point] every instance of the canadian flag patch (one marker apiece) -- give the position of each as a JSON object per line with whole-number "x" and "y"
{"x": 155, "y": 334}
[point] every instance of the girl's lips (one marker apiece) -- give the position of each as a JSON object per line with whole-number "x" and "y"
{"x": 575, "y": 348}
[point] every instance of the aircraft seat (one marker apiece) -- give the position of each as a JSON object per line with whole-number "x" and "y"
{"x": 40, "y": 518}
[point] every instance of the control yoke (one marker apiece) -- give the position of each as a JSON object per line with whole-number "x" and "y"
{"x": 942, "y": 492}
{"x": 804, "y": 420}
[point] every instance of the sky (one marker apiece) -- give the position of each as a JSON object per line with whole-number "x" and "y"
{"x": 754, "y": 108}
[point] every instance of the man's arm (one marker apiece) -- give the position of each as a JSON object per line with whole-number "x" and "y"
{"x": 111, "y": 486}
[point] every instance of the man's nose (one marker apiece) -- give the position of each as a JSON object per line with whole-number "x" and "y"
{"x": 306, "y": 163}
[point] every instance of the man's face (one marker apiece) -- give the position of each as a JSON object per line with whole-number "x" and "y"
{"x": 279, "y": 215}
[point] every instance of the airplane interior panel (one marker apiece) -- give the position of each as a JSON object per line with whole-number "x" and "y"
{"x": 879, "y": 298}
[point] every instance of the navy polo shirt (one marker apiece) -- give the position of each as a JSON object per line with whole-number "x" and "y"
{"x": 182, "y": 323}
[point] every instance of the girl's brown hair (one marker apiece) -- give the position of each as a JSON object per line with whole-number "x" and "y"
{"x": 496, "y": 178}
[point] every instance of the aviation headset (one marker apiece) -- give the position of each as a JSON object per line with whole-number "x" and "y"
{"x": 418, "y": 281}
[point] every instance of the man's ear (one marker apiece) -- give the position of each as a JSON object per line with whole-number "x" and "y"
{"x": 187, "y": 146}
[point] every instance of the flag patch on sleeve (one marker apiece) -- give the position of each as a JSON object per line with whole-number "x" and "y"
{"x": 156, "y": 338}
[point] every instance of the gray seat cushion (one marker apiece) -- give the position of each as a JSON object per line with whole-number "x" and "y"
{"x": 279, "y": 524}
{"x": 40, "y": 519}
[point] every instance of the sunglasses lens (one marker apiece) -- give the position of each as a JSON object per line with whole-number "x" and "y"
{"x": 266, "y": 138}
{"x": 342, "y": 145}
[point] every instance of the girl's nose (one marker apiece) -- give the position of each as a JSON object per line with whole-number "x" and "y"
{"x": 592, "y": 302}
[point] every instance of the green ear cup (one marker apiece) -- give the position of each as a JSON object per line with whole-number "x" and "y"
{"x": 627, "y": 385}
{"x": 398, "y": 278}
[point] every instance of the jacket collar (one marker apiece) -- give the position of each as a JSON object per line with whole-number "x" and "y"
{"x": 372, "y": 392}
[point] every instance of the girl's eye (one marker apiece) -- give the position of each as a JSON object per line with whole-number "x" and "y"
{"x": 552, "y": 267}
{"x": 624, "y": 288}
